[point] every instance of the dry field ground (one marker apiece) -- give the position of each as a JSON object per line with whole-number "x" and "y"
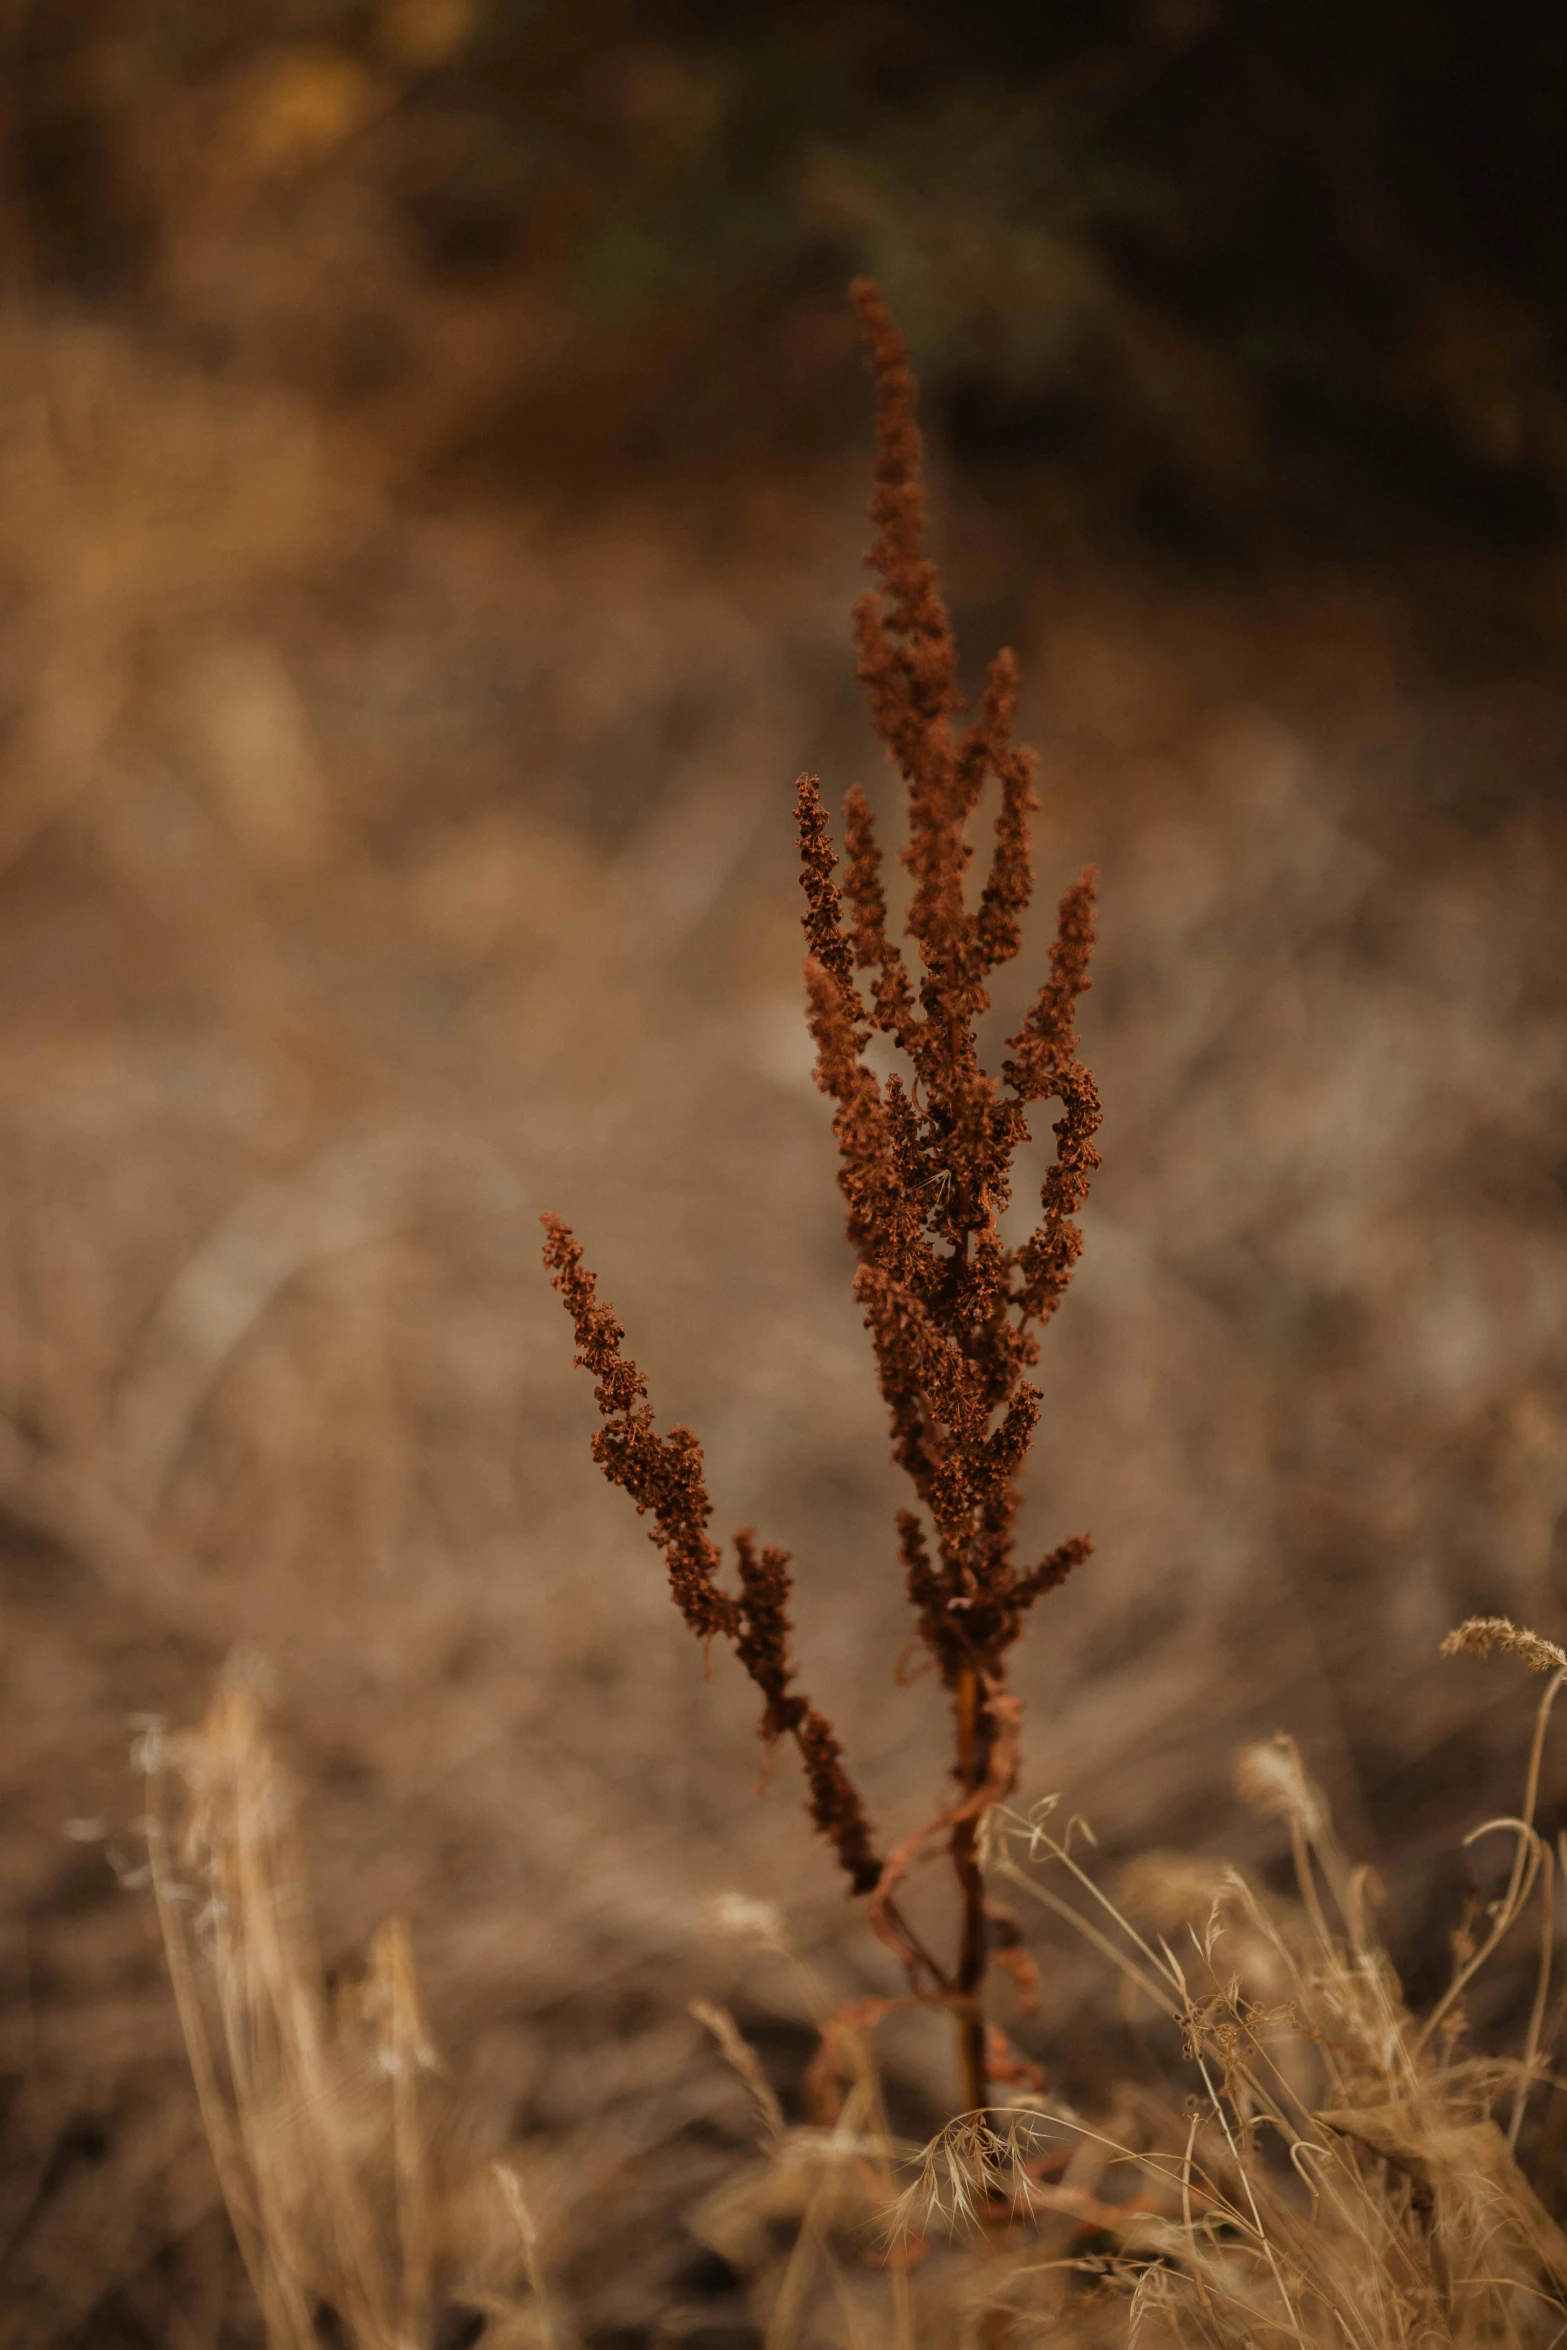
{"x": 374, "y": 881}
{"x": 376, "y": 872}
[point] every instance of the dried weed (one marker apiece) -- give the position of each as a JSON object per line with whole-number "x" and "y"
{"x": 925, "y": 1165}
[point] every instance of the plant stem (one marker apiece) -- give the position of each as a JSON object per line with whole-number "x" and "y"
{"x": 974, "y": 1946}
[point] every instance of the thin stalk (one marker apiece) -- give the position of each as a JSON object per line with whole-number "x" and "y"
{"x": 974, "y": 1945}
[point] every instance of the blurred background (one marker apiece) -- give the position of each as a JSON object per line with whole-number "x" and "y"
{"x": 433, "y": 462}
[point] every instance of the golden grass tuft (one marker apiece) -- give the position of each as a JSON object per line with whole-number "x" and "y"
{"x": 1319, "y": 2165}
{"x": 1478, "y": 1635}
{"x": 1336, "y": 2172}
{"x": 334, "y": 2145}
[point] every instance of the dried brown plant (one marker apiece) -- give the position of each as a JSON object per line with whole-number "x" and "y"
{"x": 358, "y": 2212}
{"x": 925, "y": 1169}
{"x": 1478, "y": 1635}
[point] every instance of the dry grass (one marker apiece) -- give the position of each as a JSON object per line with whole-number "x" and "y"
{"x": 376, "y": 867}
{"x": 1339, "y": 2172}
{"x": 280, "y": 1090}
{"x": 1342, "y": 2169}
{"x": 351, "y": 2202}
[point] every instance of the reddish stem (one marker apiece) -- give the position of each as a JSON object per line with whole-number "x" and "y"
{"x": 974, "y": 1945}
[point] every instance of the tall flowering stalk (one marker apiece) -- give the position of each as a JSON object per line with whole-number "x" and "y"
{"x": 925, "y": 1162}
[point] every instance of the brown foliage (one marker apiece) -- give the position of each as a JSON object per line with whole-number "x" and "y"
{"x": 925, "y": 1170}
{"x": 663, "y": 1474}
{"x": 952, "y": 1313}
